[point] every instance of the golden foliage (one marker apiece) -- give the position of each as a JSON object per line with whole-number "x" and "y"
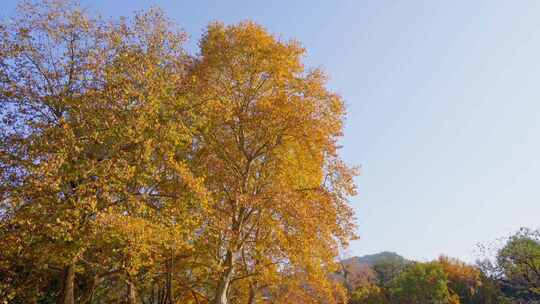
{"x": 210, "y": 178}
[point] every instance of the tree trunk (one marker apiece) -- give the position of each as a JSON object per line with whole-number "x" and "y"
{"x": 131, "y": 293}
{"x": 225, "y": 280}
{"x": 221, "y": 292}
{"x": 252, "y": 294}
{"x": 89, "y": 295}
{"x": 68, "y": 291}
{"x": 170, "y": 269}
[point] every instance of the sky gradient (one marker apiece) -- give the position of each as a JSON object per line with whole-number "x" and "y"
{"x": 443, "y": 108}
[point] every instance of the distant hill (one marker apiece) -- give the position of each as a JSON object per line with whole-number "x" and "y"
{"x": 378, "y": 258}
{"x": 381, "y": 257}
{"x": 380, "y": 267}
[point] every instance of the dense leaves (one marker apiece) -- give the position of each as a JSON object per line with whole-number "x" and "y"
{"x": 507, "y": 276}
{"x": 133, "y": 171}
{"x": 421, "y": 283}
{"x": 516, "y": 266}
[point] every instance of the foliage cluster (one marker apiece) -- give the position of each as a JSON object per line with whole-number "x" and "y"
{"x": 511, "y": 275}
{"x": 134, "y": 172}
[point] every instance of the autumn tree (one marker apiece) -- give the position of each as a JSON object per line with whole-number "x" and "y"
{"x": 94, "y": 148}
{"x": 48, "y": 62}
{"x": 355, "y": 275}
{"x": 132, "y": 170}
{"x": 268, "y": 150}
{"x": 464, "y": 280}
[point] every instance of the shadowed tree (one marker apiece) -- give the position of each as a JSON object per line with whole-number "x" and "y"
{"x": 516, "y": 267}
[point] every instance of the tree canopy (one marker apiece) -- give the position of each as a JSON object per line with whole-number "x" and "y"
{"x": 133, "y": 170}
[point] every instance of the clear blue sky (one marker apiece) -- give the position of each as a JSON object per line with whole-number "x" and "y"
{"x": 444, "y": 108}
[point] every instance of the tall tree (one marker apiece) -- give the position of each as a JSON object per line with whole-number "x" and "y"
{"x": 48, "y": 56}
{"x": 132, "y": 171}
{"x": 96, "y": 136}
{"x": 268, "y": 150}
{"x": 516, "y": 267}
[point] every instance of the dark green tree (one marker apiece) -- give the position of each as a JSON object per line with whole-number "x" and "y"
{"x": 421, "y": 283}
{"x": 516, "y": 267}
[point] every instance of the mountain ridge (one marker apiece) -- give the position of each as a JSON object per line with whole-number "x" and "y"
{"x": 376, "y": 258}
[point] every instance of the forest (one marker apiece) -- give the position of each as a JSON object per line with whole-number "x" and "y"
{"x": 133, "y": 171}
{"x": 506, "y": 274}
